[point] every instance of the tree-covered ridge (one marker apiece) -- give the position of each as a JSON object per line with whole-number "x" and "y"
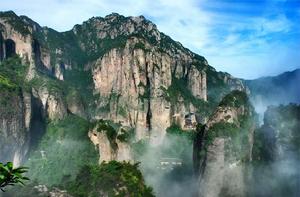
{"x": 235, "y": 99}
{"x": 110, "y": 179}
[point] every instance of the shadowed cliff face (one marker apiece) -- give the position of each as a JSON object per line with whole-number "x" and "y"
{"x": 10, "y": 48}
{"x": 7, "y": 48}
{"x": 38, "y": 123}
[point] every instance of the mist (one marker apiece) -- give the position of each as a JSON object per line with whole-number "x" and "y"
{"x": 277, "y": 156}
{"x": 266, "y": 91}
{"x": 168, "y": 167}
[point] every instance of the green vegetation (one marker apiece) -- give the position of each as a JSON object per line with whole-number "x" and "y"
{"x": 139, "y": 45}
{"x": 62, "y": 151}
{"x": 178, "y": 143}
{"x": 114, "y": 131}
{"x": 17, "y": 24}
{"x": 53, "y": 85}
{"x": 12, "y": 73}
{"x": 178, "y": 89}
{"x": 235, "y": 99}
{"x": 10, "y": 176}
{"x": 238, "y": 136}
{"x": 110, "y": 179}
{"x": 96, "y": 47}
{"x": 175, "y": 130}
{"x": 5, "y": 83}
{"x": 222, "y": 129}
{"x": 126, "y": 135}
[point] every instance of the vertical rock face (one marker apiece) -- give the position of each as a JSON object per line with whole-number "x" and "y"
{"x": 21, "y": 121}
{"x": 223, "y": 147}
{"x": 15, "y": 115}
{"x": 212, "y": 181}
{"x": 197, "y": 83}
{"x": 119, "y": 151}
{"x": 134, "y": 80}
{"x": 53, "y": 104}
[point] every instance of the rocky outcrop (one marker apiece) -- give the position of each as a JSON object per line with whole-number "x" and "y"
{"x": 76, "y": 106}
{"x": 223, "y": 148}
{"x": 197, "y": 83}
{"x": 43, "y": 190}
{"x": 211, "y": 183}
{"x": 53, "y": 103}
{"x": 224, "y": 114}
{"x": 110, "y": 149}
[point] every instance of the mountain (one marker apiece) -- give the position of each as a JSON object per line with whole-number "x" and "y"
{"x": 281, "y": 89}
{"x": 115, "y": 88}
{"x": 116, "y": 67}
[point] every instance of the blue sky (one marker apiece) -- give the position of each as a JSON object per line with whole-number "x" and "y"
{"x": 249, "y": 38}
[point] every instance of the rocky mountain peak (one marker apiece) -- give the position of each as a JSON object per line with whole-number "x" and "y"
{"x": 114, "y": 25}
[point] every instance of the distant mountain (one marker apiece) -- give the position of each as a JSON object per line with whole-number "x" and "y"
{"x": 281, "y": 89}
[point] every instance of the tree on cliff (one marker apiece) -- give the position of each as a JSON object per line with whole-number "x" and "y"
{"x": 11, "y": 176}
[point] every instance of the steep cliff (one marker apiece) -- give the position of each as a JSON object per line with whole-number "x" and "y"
{"x": 15, "y": 112}
{"x": 223, "y": 147}
{"x": 14, "y": 131}
{"x": 118, "y": 68}
{"x": 23, "y": 110}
